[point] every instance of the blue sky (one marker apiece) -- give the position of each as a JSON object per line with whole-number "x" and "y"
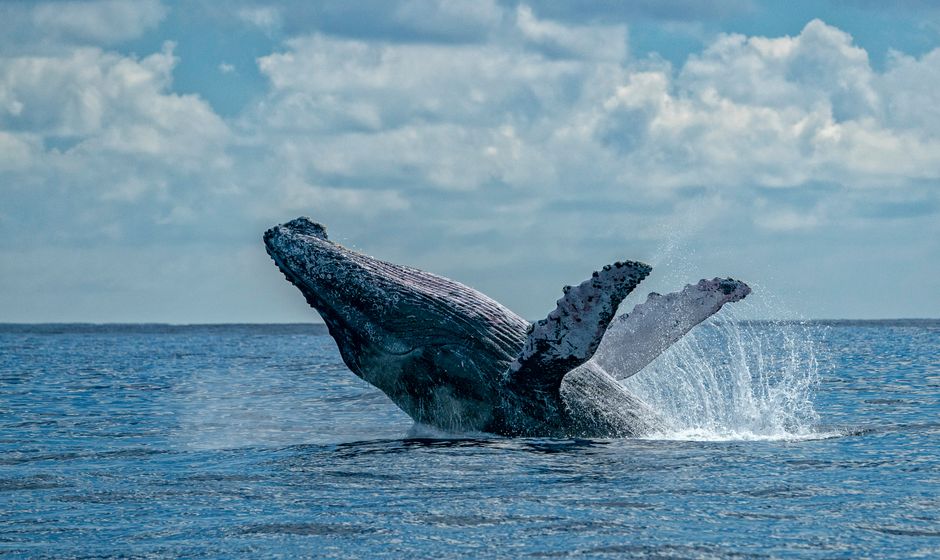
{"x": 144, "y": 147}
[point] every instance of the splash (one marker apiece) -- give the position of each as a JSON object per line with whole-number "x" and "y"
{"x": 731, "y": 379}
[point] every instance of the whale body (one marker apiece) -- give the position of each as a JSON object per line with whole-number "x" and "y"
{"x": 453, "y": 358}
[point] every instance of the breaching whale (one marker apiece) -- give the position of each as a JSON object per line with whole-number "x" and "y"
{"x": 452, "y": 358}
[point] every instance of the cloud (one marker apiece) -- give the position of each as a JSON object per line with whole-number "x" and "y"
{"x": 747, "y": 111}
{"x": 786, "y": 219}
{"x": 532, "y": 141}
{"x": 753, "y": 111}
{"x": 108, "y": 102}
{"x": 912, "y": 99}
{"x": 433, "y": 21}
{"x": 615, "y": 10}
{"x": 265, "y": 18}
{"x": 539, "y": 109}
{"x": 557, "y": 157}
{"x": 447, "y": 19}
{"x": 96, "y": 145}
{"x": 95, "y": 22}
{"x": 819, "y": 66}
{"x": 918, "y": 5}
{"x": 556, "y": 39}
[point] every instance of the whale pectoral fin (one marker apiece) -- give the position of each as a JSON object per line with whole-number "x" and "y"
{"x": 634, "y": 340}
{"x": 571, "y": 333}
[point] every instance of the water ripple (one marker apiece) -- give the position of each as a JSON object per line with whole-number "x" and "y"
{"x": 243, "y": 442}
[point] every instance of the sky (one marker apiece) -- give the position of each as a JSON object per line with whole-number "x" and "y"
{"x": 146, "y": 145}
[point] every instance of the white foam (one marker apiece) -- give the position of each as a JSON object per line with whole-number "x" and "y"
{"x": 730, "y": 380}
{"x": 705, "y": 435}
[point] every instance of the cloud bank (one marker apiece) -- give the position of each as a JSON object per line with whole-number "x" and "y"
{"x": 484, "y": 141}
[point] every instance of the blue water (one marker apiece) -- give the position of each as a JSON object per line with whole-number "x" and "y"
{"x": 256, "y": 441}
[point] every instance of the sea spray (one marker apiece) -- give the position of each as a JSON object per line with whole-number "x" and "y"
{"x": 733, "y": 379}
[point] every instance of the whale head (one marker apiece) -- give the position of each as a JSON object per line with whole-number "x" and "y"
{"x": 426, "y": 341}
{"x": 338, "y": 283}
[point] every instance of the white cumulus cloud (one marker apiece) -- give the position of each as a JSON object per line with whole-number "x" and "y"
{"x": 266, "y": 18}
{"x": 27, "y": 25}
{"x": 543, "y": 141}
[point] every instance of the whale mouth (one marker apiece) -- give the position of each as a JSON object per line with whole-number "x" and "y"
{"x": 278, "y": 239}
{"x": 302, "y": 226}
{"x": 280, "y": 254}
{"x": 270, "y": 237}
{"x": 288, "y": 240}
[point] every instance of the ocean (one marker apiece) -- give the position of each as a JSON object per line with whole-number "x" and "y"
{"x": 786, "y": 440}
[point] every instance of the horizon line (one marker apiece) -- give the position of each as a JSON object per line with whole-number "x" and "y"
{"x": 320, "y": 323}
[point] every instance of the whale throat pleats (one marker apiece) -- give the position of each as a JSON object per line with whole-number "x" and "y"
{"x": 571, "y": 333}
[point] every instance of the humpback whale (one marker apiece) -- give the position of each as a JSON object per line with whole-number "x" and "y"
{"x": 453, "y": 358}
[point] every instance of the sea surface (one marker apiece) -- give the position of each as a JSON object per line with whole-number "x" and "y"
{"x": 813, "y": 440}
